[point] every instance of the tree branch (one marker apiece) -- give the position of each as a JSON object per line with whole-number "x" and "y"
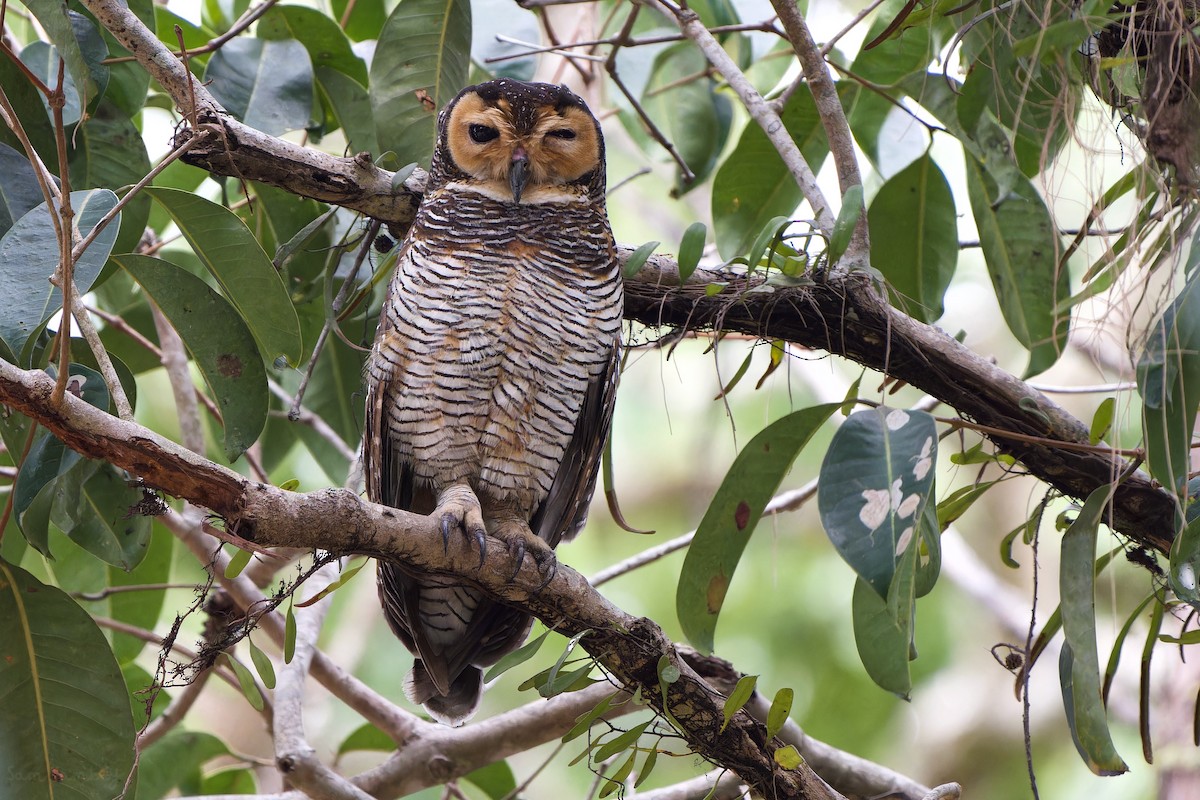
{"x": 340, "y": 522}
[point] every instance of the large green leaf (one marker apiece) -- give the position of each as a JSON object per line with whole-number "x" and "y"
{"x": 29, "y": 253}
{"x": 697, "y": 117}
{"x": 1080, "y": 663}
{"x": 246, "y": 76}
{"x": 95, "y": 504}
{"x": 752, "y": 186}
{"x": 58, "y": 24}
{"x": 141, "y": 608}
{"x": 19, "y": 189}
{"x": 365, "y": 20}
{"x": 914, "y": 237}
{"x": 174, "y": 761}
{"x": 883, "y": 630}
{"x": 876, "y": 479}
{"x": 247, "y": 277}
{"x": 109, "y": 153}
{"x": 352, "y": 108}
{"x": 1020, "y": 247}
{"x": 27, "y": 103}
{"x": 219, "y": 341}
{"x": 421, "y": 62}
{"x": 721, "y": 537}
{"x": 66, "y": 729}
{"x": 326, "y": 43}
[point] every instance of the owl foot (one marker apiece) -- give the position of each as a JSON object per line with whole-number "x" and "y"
{"x": 520, "y": 540}
{"x": 458, "y": 508}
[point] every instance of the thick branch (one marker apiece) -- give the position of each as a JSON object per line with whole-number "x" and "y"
{"x": 340, "y": 522}
{"x": 843, "y": 314}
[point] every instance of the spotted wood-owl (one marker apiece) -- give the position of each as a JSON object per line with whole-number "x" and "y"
{"x": 493, "y": 374}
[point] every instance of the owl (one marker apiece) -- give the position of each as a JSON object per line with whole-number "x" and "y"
{"x": 491, "y": 382}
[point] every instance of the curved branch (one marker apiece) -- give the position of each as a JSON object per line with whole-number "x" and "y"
{"x": 338, "y": 521}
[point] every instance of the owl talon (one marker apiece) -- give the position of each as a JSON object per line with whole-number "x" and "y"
{"x": 459, "y": 509}
{"x": 516, "y": 548}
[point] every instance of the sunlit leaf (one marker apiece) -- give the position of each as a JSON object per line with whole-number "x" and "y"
{"x": 741, "y": 694}
{"x": 781, "y": 708}
{"x": 262, "y": 664}
{"x": 366, "y": 737}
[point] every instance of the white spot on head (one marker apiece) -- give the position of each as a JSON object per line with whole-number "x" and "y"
{"x": 896, "y": 419}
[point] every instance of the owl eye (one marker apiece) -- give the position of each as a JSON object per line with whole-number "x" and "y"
{"x": 562, "y": 133}
{"x": 482, "y": 133}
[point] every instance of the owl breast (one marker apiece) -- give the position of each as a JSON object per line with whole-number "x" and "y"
{"x": 496, "y": 332}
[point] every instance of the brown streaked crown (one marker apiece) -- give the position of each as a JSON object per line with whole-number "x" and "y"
{"x": 481, "y": 129}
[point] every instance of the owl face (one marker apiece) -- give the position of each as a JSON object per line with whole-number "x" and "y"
{"x": 521, "y": 142}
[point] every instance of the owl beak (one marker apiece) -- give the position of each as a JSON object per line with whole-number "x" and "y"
{"x": 518, "y": 174}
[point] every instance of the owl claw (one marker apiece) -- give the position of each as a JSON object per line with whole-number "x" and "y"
{"x": 459, "y": 509}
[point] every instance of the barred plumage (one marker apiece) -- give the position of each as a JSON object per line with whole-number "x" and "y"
{"x": 493, "y": 375}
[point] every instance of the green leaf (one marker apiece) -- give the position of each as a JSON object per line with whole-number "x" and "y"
{"x": 1168, "y": 377}
{"x": 19, "y": 189}
{"x": 235, "y": 780}
{"x": 351, "y": 106}
{"x": 246, "y": 682}
{"x": 496, "y": 780}
{"x": 1102, "y": 420}
{"x": 345, "y": 577}
{"x": 219, "y": 342}
{"x": 637, "y": 259}
{"x": 515, "y": 658}
{"x": 174, "y": 761}
{"x": 875, "y": 481}
{"x": 245, "y": 76}
{"x": 617, "y": 779}
{"x": 65, "y": 715}
{"x": 326, "y": 43}
{"x": 59, "y": 25}
{"x": 289, "y": 634}
{"x": 1079, "y": 664}
{"x": 366, "y": 737}
{"x": 781, "y": 708}
{"x": 1020, "y": 248}
{"x": 421, "y": 62}
{"x": 110, "y": 153}
{"x": 698, "y": 117}
{"x": 690, "y": 249}
{"x": 262, "y": 664}
{"x": 245, "y": 273}
{"x": 619, "y": 743}
{"x": 29, "y": 252}
{"x": 883, "y": 628}
{"x": 847, "y": 219}
{"x": 914, "y": 237}
{"x": 647, "y": 767}
{"x": 959, "y": 501}
{"x": 95, "y": 507}
{"x": 721, "y": 537}
{"x": 741, "y": 694}
{"x": 365, "y": 19}
{"x": 788, "y": 757}
{"x": 753, "y": 187}
{"x": 237, "y": 563}
{"x": 585, "y": 720}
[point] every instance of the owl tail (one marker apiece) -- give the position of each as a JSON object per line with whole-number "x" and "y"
{"x": 451, "y": 709}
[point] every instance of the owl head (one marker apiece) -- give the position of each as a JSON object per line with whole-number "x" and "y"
{"x": 520, "y": 142}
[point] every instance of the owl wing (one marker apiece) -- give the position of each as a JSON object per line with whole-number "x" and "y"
{"x": 564, "y": 511}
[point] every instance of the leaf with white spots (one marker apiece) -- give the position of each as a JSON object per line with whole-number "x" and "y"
{"x": 875, "y": 482}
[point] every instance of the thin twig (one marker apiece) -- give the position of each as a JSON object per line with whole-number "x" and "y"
{"x": 65, "y": 275}
{"x": 760, "y": 110}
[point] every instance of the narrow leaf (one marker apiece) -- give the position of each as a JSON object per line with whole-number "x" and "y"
{"x": 721, "y": 536}
{"x": 616, "y": 745}
{"x": 1079, "y": 667}
{"x": 738, "y": 698}
{"x": 246, "y": 682}
{"x": 342, "y": 579}
{"x": 289, "y": 634}
{"x": 847, "y": 220}
{"x": 637, "y": 259}
{"x": 690, "y": 249}
{"x": 781, "y": 709}
{"x": 262, "y": 664}
{"x": 237, "y": 563}
{"x": 515, "y": 658}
